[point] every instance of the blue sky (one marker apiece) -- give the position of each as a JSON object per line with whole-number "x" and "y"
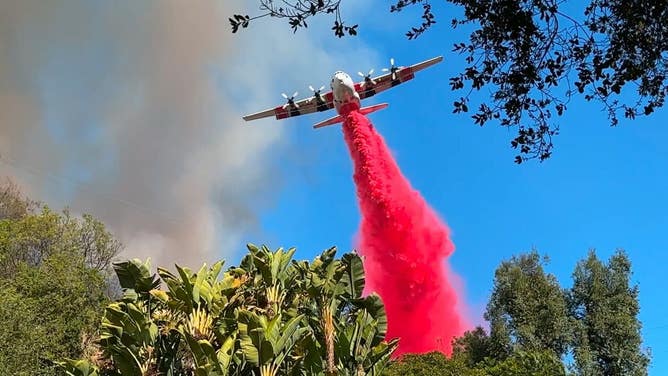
{"x": 604, "y": 188}
{"x": 137, "y": 120}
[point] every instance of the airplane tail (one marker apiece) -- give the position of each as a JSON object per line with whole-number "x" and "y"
{"x": 339, "y": 118}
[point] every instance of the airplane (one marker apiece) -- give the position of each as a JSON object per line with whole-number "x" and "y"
{"x": 345, "y": 95}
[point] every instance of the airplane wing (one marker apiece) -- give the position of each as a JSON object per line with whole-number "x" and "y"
{"x": 366, "y": 89}
{"x": 305, "y": 106}
{"x": 394, "y": 77}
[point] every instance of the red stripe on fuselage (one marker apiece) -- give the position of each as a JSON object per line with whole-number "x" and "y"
{"x": 281, "y": 113}
{"x": 406, "y": 74}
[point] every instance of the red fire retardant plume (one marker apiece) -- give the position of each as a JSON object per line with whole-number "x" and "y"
{"x": 404, "y": 245}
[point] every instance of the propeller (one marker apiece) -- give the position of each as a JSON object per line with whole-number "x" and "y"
{"x": 316, "y": 93}
{"x": 367, "y": 78}
{"x": 291, "y": 100}
{"x": 392, "y": 69}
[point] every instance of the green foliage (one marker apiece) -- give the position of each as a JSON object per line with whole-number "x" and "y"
{"x": 476, "y": 346}
{"x": 522, "y": 363}
{"x": 52, "y": 284}
{"x": 273, "y": 315}
{"x": 430, "y": 364}
{"x": 12, "y": 203}
{"x": 268, "y": 316}
{"x": 528, "y": 309}
{"x": 45, "y": 313}
{"x": 607, "y": 340}
{"x": 33, "y": 238}
{"x": 534, "y": 323}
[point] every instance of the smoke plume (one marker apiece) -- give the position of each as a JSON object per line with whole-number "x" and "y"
{"x": 131, "y": 111}
{"x": 404, "y": 245}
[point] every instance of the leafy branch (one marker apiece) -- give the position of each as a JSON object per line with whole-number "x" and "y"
{"x": 524, "y": 54}
{"x": 297, "y": 12}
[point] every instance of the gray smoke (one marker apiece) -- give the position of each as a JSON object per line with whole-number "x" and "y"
{"x": 131, "y": 111}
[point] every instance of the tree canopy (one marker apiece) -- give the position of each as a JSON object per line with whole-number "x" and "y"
{"x": 13, "y": 205}
{"x": 431, "y": 364}
{"x": 521, "y": 363}
{"x": 607, "y": 337}
{"x": 534, "y": 57}
{"x": 53, "y": 288}
{"x": 528, "y": 309}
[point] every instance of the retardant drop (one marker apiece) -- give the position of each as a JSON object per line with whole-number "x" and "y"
{"x": 405, "y": 247}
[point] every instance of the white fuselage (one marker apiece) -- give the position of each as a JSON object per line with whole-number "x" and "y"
{"x": 346, "y": 97}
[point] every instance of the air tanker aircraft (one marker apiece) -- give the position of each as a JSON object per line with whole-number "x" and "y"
{"x": 345, "y": 95}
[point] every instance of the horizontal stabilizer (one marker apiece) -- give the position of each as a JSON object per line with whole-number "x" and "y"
{"x": 330, "y": 121}
{"x": 374, "y": 108}
{"x": 339, "y": 118}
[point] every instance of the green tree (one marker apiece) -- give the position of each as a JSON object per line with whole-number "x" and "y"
{"x": 268, "y": 316}
{"x": 32, "y": 239}
{"x": 430, "y": 364}
{"x": 533, "y": 56}
{"x": 52, "y": 285}
{"x": 528, "y": 309}
{"x": 12, "y": 203}
{"x": 47, "y": 312}
{"x": 532, "y": 363}
{"x": 475, "y": 346}
{"x": 605, "y": 305}
{"x": 521, "y": 363}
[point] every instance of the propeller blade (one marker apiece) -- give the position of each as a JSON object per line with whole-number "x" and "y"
{"x": 284, "y": 95}
{"x": 391, "y": 61}
{"x": 311, "y": 87}
{"x": 385, "y": 70}
{"x": 370, "y": 72}
{"x": 294, "y": 95}
{"x": 296, "y": 105}
{"x": 285, "y": 106}
{"x": 361, "y": 74}
{"x": 321, "y": 88}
